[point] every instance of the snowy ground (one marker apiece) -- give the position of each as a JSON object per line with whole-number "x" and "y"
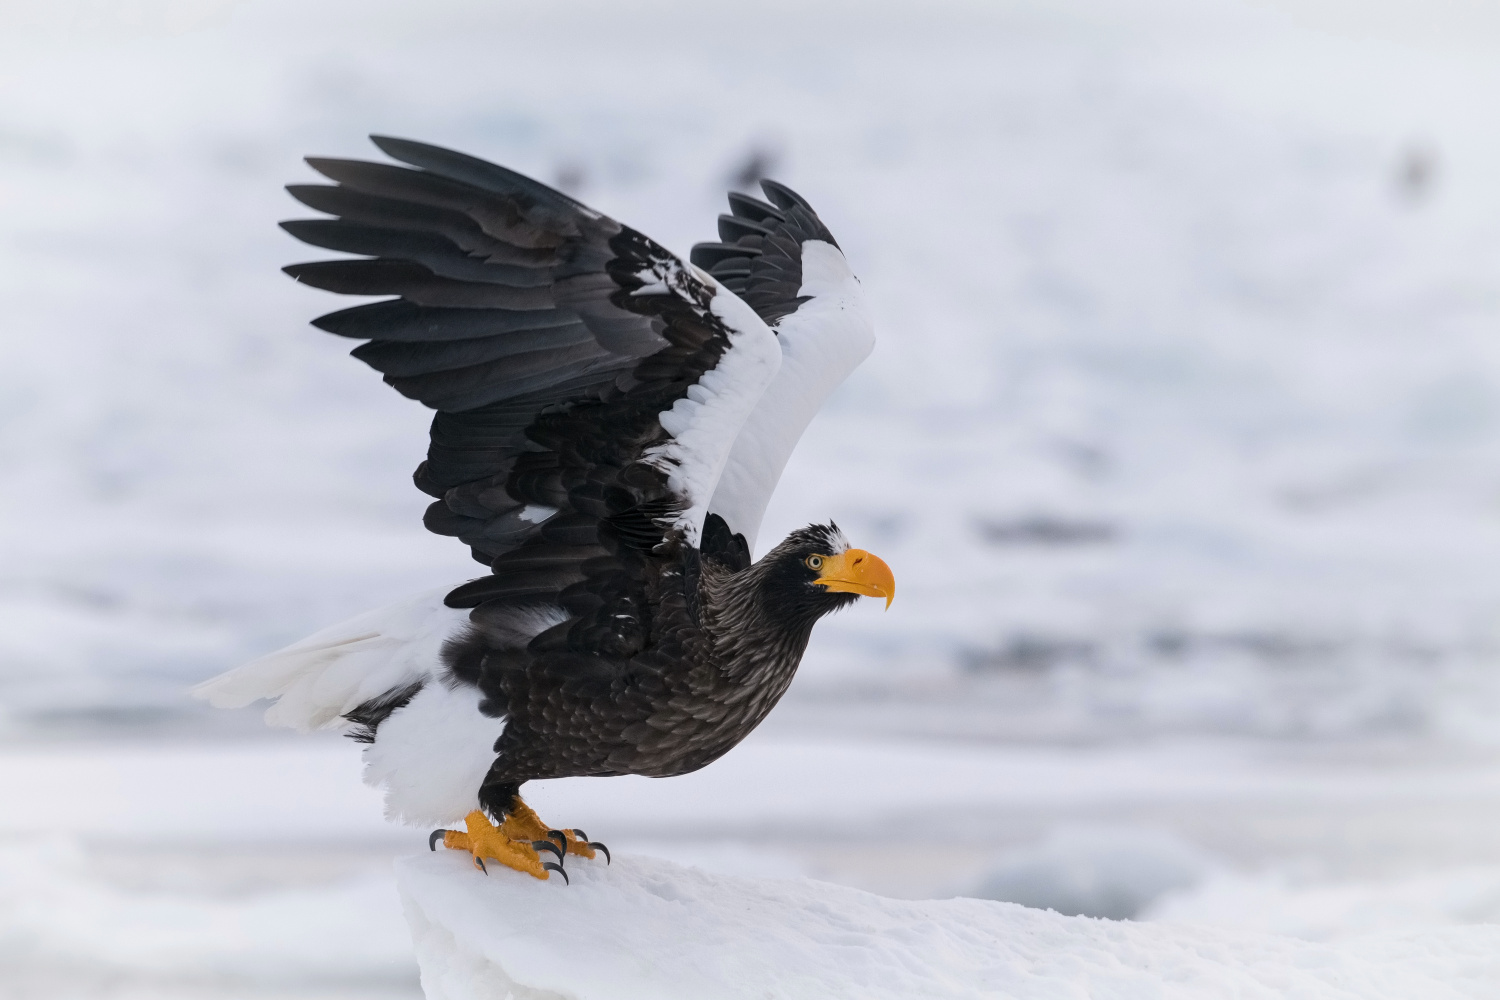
{"x": 1182, "y": 436}
{"x": 264, "y": 868}
{"x": 649, "y": 929}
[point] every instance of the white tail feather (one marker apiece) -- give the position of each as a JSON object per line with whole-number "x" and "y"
{"x": 321, "y": 678}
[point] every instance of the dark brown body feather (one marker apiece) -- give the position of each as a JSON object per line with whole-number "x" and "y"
{"x": 711, "y": 669}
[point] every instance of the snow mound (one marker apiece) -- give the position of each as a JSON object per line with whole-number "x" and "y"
{"x": 645, "y": 928}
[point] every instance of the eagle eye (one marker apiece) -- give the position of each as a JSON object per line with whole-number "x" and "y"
{"x": 814, "y": 562}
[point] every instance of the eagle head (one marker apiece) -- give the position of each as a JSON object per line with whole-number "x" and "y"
{"x": 814, "y": 571}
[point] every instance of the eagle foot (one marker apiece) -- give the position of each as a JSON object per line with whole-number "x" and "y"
{"x": 506, "y": 844}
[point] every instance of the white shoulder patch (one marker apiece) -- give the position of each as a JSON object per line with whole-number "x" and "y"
{"x": 705, "y": 422}
{"x": 821, "y": 343}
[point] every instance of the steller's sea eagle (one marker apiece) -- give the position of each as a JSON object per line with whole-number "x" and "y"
{"x": 610, "y": 424}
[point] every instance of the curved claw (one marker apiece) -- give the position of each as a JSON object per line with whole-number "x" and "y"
{"x": 433, "y": 838}
{"x": 480, "y": 863}
{"x": 600, "y": 847}
{"x": 579, "y": 834}
{"x": 561, "y": 838}
{"x": 549, "y": 866}
{"x": 547, "y": 845}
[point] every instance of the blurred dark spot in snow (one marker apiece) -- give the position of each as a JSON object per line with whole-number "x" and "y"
{"x": 147, "y": 723}
{"x": 95, "y": 597}
{"x": 570, "y": 177}
{"x": 758, "y": 163}
{"x": 1036, "y": 652}
{"x": 1087, "y": 460}
{"x": 1029, "y": 653}
{"x": 1267, "y": 647}
{"x": 1350, "y": 488}
{"x": 1097, "y": 873}
{"x": 1416, "y": 172}
{"x": 36, "y": 148}
{"x": 1045, "y": 529}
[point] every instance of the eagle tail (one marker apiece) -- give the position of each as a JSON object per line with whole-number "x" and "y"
{"x": 316, "y": 682}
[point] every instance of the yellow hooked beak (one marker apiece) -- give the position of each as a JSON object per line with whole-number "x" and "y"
{"x": 856, "y": 571}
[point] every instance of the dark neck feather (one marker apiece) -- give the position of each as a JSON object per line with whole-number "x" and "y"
{"x": 762, "y": 617}
{"x": 751, "y": 633}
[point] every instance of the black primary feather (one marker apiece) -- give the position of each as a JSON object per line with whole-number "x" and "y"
{"x": 759, "y": 257}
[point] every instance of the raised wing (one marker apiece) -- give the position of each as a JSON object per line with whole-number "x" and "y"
{"x": 589, "y": 385}
{"x": 785, "y": 264}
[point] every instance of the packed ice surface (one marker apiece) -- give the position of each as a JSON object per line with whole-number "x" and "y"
{"x": 1317, "y": 910}
{"x": 67, "y": 923}
{"x": 263, "y": 868}
{"x": 643, "y": 929}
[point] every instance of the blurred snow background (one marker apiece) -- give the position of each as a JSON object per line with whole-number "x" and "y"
{"x": 1182, "y": 435}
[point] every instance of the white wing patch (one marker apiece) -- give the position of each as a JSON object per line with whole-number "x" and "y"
{"x": 821, "y": 343}
{"x": 705, "y": 423}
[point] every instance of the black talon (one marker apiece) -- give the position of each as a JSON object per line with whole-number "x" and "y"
{"x": 580, "y": 834}
{"x": 547, "y": 845}
{"x": 480, "y": 862}
{"x": 560, "y": 837}
{"x": 433, "y": 839}
{"x": 549, "y": 866}
{"x": 600, "y": 847}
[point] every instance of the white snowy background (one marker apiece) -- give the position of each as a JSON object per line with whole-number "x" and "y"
{"x": 1182, "y": 438}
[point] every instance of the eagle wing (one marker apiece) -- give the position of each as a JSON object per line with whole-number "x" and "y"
{"x": 582, "y": 374}
{"x": 782, "y": 260}
{"x": 588, "y": 384}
